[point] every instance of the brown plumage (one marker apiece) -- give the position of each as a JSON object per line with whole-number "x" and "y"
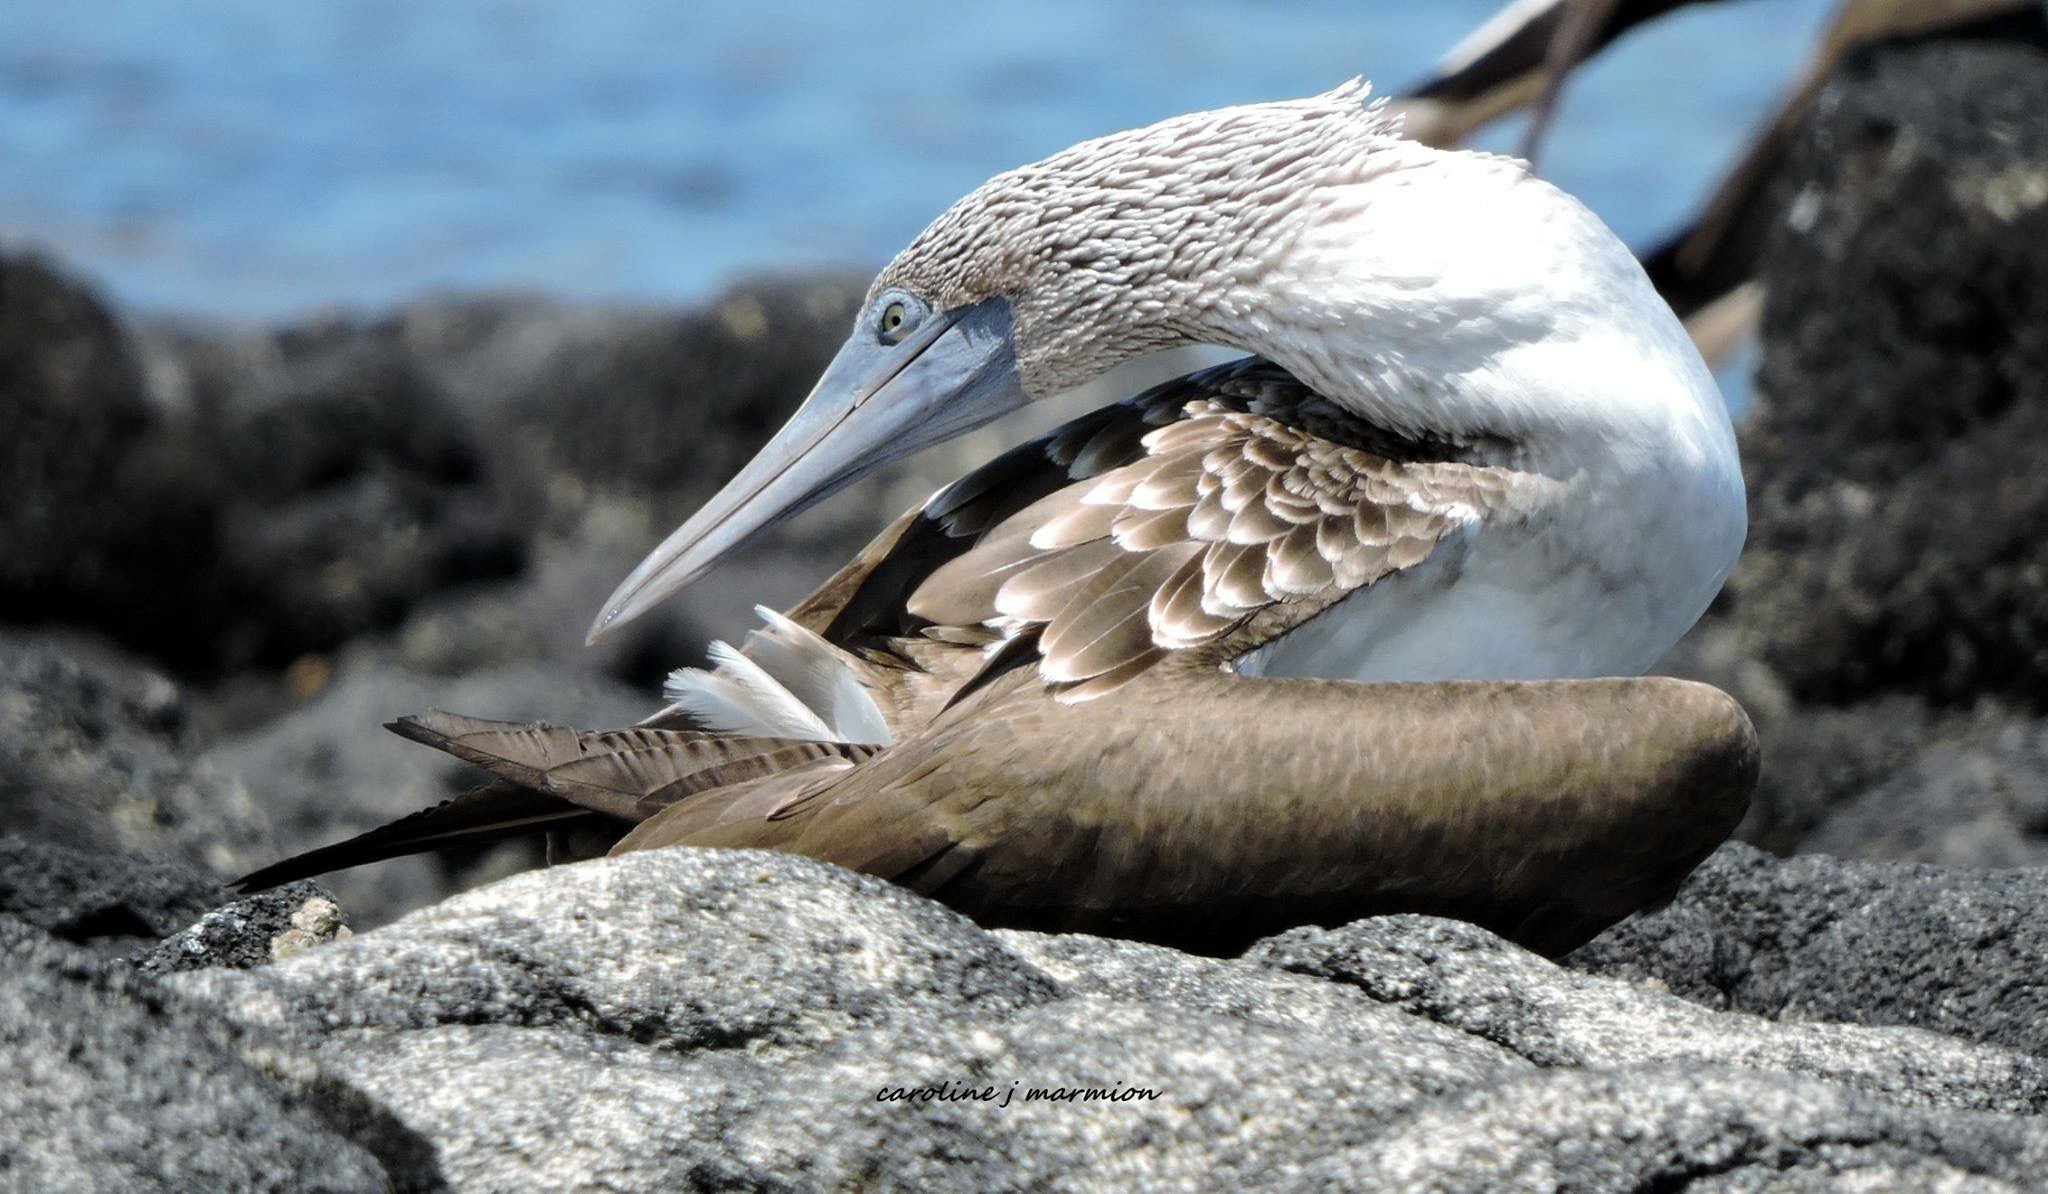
{"x": 1206, "y": 810}
{"x": 1046, "y": 642}
{"x": 1258, "y": 506}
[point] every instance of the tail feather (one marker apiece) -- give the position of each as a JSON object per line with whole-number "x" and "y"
{"x": 551, "y": 778}
{"x": 629, "y": 774}
{"x": 825, "y": 677}
{"x": 739, "y": 696}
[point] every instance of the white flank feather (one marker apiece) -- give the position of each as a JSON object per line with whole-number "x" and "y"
{"x": 738, "y": 697}
{"x": 790, "y": 683}
{"x": 822, "y": 676}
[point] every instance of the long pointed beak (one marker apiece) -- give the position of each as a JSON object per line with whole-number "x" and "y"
{"x": 875, "y": 403}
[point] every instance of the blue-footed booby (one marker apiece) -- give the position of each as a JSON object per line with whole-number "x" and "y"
{"x": 1242, "y": 651}
{"x": 1472, "y": 442}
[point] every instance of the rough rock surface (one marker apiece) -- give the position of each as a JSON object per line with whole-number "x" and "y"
{"x": 109, "y": 903}
{"x": 1887, "y": 625}
{"x": 254, "y": 931}
{"x": 1816, "y": 938}
{"x": 686, "y": 1018}
{"x": 96, "y": 754}
{"x": 1905, "y": 377}
{"x": 115, "y": 1084}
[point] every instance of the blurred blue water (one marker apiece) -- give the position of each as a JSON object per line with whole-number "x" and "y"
{"x": 257, "y": 157}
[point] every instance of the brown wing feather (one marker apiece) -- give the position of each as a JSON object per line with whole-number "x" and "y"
{"x": 1240, "y": 491}
{"x": 1257, "y": 496}
{"x": 489, "y": 813}
{"x": 1559, "y": 807}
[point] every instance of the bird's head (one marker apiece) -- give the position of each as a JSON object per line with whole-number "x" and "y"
{"x": 1041, "y": 279}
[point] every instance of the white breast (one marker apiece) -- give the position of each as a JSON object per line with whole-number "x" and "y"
{"x": 1541, "y": 324}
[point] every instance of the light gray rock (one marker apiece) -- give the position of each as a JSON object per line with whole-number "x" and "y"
{"x": 1705, "y": 1129}
{"x": 1464, "y": 977}
{"x": 684, "y": 1018}
{"x": 114, "y": 1084}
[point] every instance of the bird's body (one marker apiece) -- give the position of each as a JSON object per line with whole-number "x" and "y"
{"x": 1505, "y": 331}
{"x": 1088, "y": 684}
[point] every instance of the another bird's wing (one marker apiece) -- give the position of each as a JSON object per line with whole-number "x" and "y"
{"x": 1198, "y": 521}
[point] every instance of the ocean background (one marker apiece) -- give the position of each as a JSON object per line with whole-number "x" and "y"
{"x": 261, "y": 158}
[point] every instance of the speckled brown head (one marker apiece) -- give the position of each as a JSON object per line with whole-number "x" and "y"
{"x": 1146, "y": 239}
{"x": 1041, "y": 279}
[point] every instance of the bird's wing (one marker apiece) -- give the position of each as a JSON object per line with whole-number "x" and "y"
{"x": 1543, "y": 810}
{"x": 488, "y": 813}
{"x": 1196, "y": 522}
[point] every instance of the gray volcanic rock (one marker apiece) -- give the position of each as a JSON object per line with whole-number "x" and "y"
{"x": 1704, "y": 1128}
{"x": 115, "y": 1084}
{"x": 1815, "y": 938}
{"x": 685, "y": 1018}
{"x": 95, "y": 754}
{"x": 1977, "y": 796}
{"x": 1459, "y": 975}
{"x": 110, "y": 903}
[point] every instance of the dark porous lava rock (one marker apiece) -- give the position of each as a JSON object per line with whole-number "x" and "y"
{"x": 105, "y": 522}
{"x": 1815, "y": 938}
{"x": 252, "y": 931}
{"x": 358, "y": 491}
{"x": 222, "y": 499}
{"x": 666, "y": 406}
{"x": 689, "y": 1018}
{"x": 1897, "y": 497}
{"x": 1887, "y": 624}
{"x": 71, "y": 400}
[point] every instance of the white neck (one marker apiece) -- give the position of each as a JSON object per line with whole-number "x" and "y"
{"x": 1464, "y": 298}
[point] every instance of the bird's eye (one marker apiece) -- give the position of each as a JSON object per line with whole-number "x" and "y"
{"x": 895, "y": 321}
